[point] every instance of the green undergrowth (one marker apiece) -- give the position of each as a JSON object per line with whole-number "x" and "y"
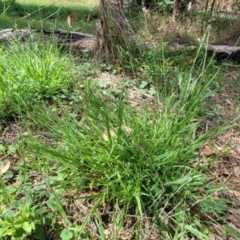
{"x": 89, "y": 165}
{"x": 31, "y": 72}
{"x": 52, "y": 15}
{"x": 155, "y": 68}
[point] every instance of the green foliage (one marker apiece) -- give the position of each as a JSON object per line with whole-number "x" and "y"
{"x": 232, "y": 231}
{"x": 25, "y": 207}
{"x": 163, "y": 5}
{"x": 24, "y": 219}
{"x": 29, "y": 73}
{"x": 66, "y": 235}
{"x": 6, "y": 4}
{"x": 126, "y": 164}
{"x": 18, "y": 223}
{"x": 10, "y": 8}
{"x": 46, "y": 14}
{"x": 140, "y": 163}
{"x": 49, "y": 15}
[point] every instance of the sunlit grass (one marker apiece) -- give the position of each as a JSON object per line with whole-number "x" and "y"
{"x": 51, "y": 15}
{"x": 35, "y": 71}
{"x": 78, "y": 142}
{"x": 129, "y": 162}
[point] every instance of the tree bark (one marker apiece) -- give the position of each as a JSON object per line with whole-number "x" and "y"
{"x": 110, "y": 29}
{"x": 175, "y": 8}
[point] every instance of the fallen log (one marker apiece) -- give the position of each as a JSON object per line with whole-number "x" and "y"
{"x": 70, "y": 36}
{"x": 76, "y": 41}
{"x": 220, "y": 52}
{"x": 10, "y": 33}
{"x": 79, "y": 42}
{"x": 225, "y": 52}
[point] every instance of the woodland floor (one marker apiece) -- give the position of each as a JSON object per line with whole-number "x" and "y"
{"x": 224, "y": 150}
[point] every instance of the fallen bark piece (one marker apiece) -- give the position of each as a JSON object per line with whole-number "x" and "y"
{"x": 223, "y": 52}
{"x": 220, "y": 52}
{"x": 79, "y": 42}
{"x": 9, "y": 33}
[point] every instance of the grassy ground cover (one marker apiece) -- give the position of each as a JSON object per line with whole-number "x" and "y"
{"x": 88, "y": 151}
{"x": 49, "y": 14}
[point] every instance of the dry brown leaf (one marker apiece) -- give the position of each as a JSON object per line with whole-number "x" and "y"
{"x": 207, "y": 151}
{"x": 237, "y": 171}
{"x": 105, "y": 137}
{"x": 236, "y": 194}
{"x": 25, "y": 133}
{"x": 5, "y": 168}
{"x": 238, "y": 150}
{"x": 62, "y": 144}
{"x": 235, "y": 155}
{"x": 213, "y": 236}
{"x": 221, "y": 168}
{"x": 113, "y": 132}
{"x": 234, "y": 220}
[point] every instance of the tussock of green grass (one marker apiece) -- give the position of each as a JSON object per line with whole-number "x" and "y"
{"x": 129, "y": 162}
{"x": 94, "y": 167}
{"x": 29, "y": 73}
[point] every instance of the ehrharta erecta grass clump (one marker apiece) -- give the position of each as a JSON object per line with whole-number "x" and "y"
{"x": 31, "y": 72}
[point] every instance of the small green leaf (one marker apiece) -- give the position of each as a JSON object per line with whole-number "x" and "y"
{"x": 2, "y": 148}
{"x": 27, "y": 227}
{"x": 152, "y": 91}
{"x": 9, "y": 174}
{"x": 66, "y": 235}
{"x": 142, "y": 91}
{"x": 3, "y": 229}
{"x": 12, "y": 149}
{"x": 196, "y": 232}
{"x": 40, "y": 232}
{"x": 138, "y": 200}
{"x": 9, "y": 232}
{"x": 185, "y": 179}
{"x": 143, "y": 84}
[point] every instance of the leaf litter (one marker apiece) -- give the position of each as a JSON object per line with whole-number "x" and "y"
{"x": 224, "y": 150}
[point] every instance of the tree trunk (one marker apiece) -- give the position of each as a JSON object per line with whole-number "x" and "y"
{"x": 110, "y": 29}
{"x": 175, "y": 8}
